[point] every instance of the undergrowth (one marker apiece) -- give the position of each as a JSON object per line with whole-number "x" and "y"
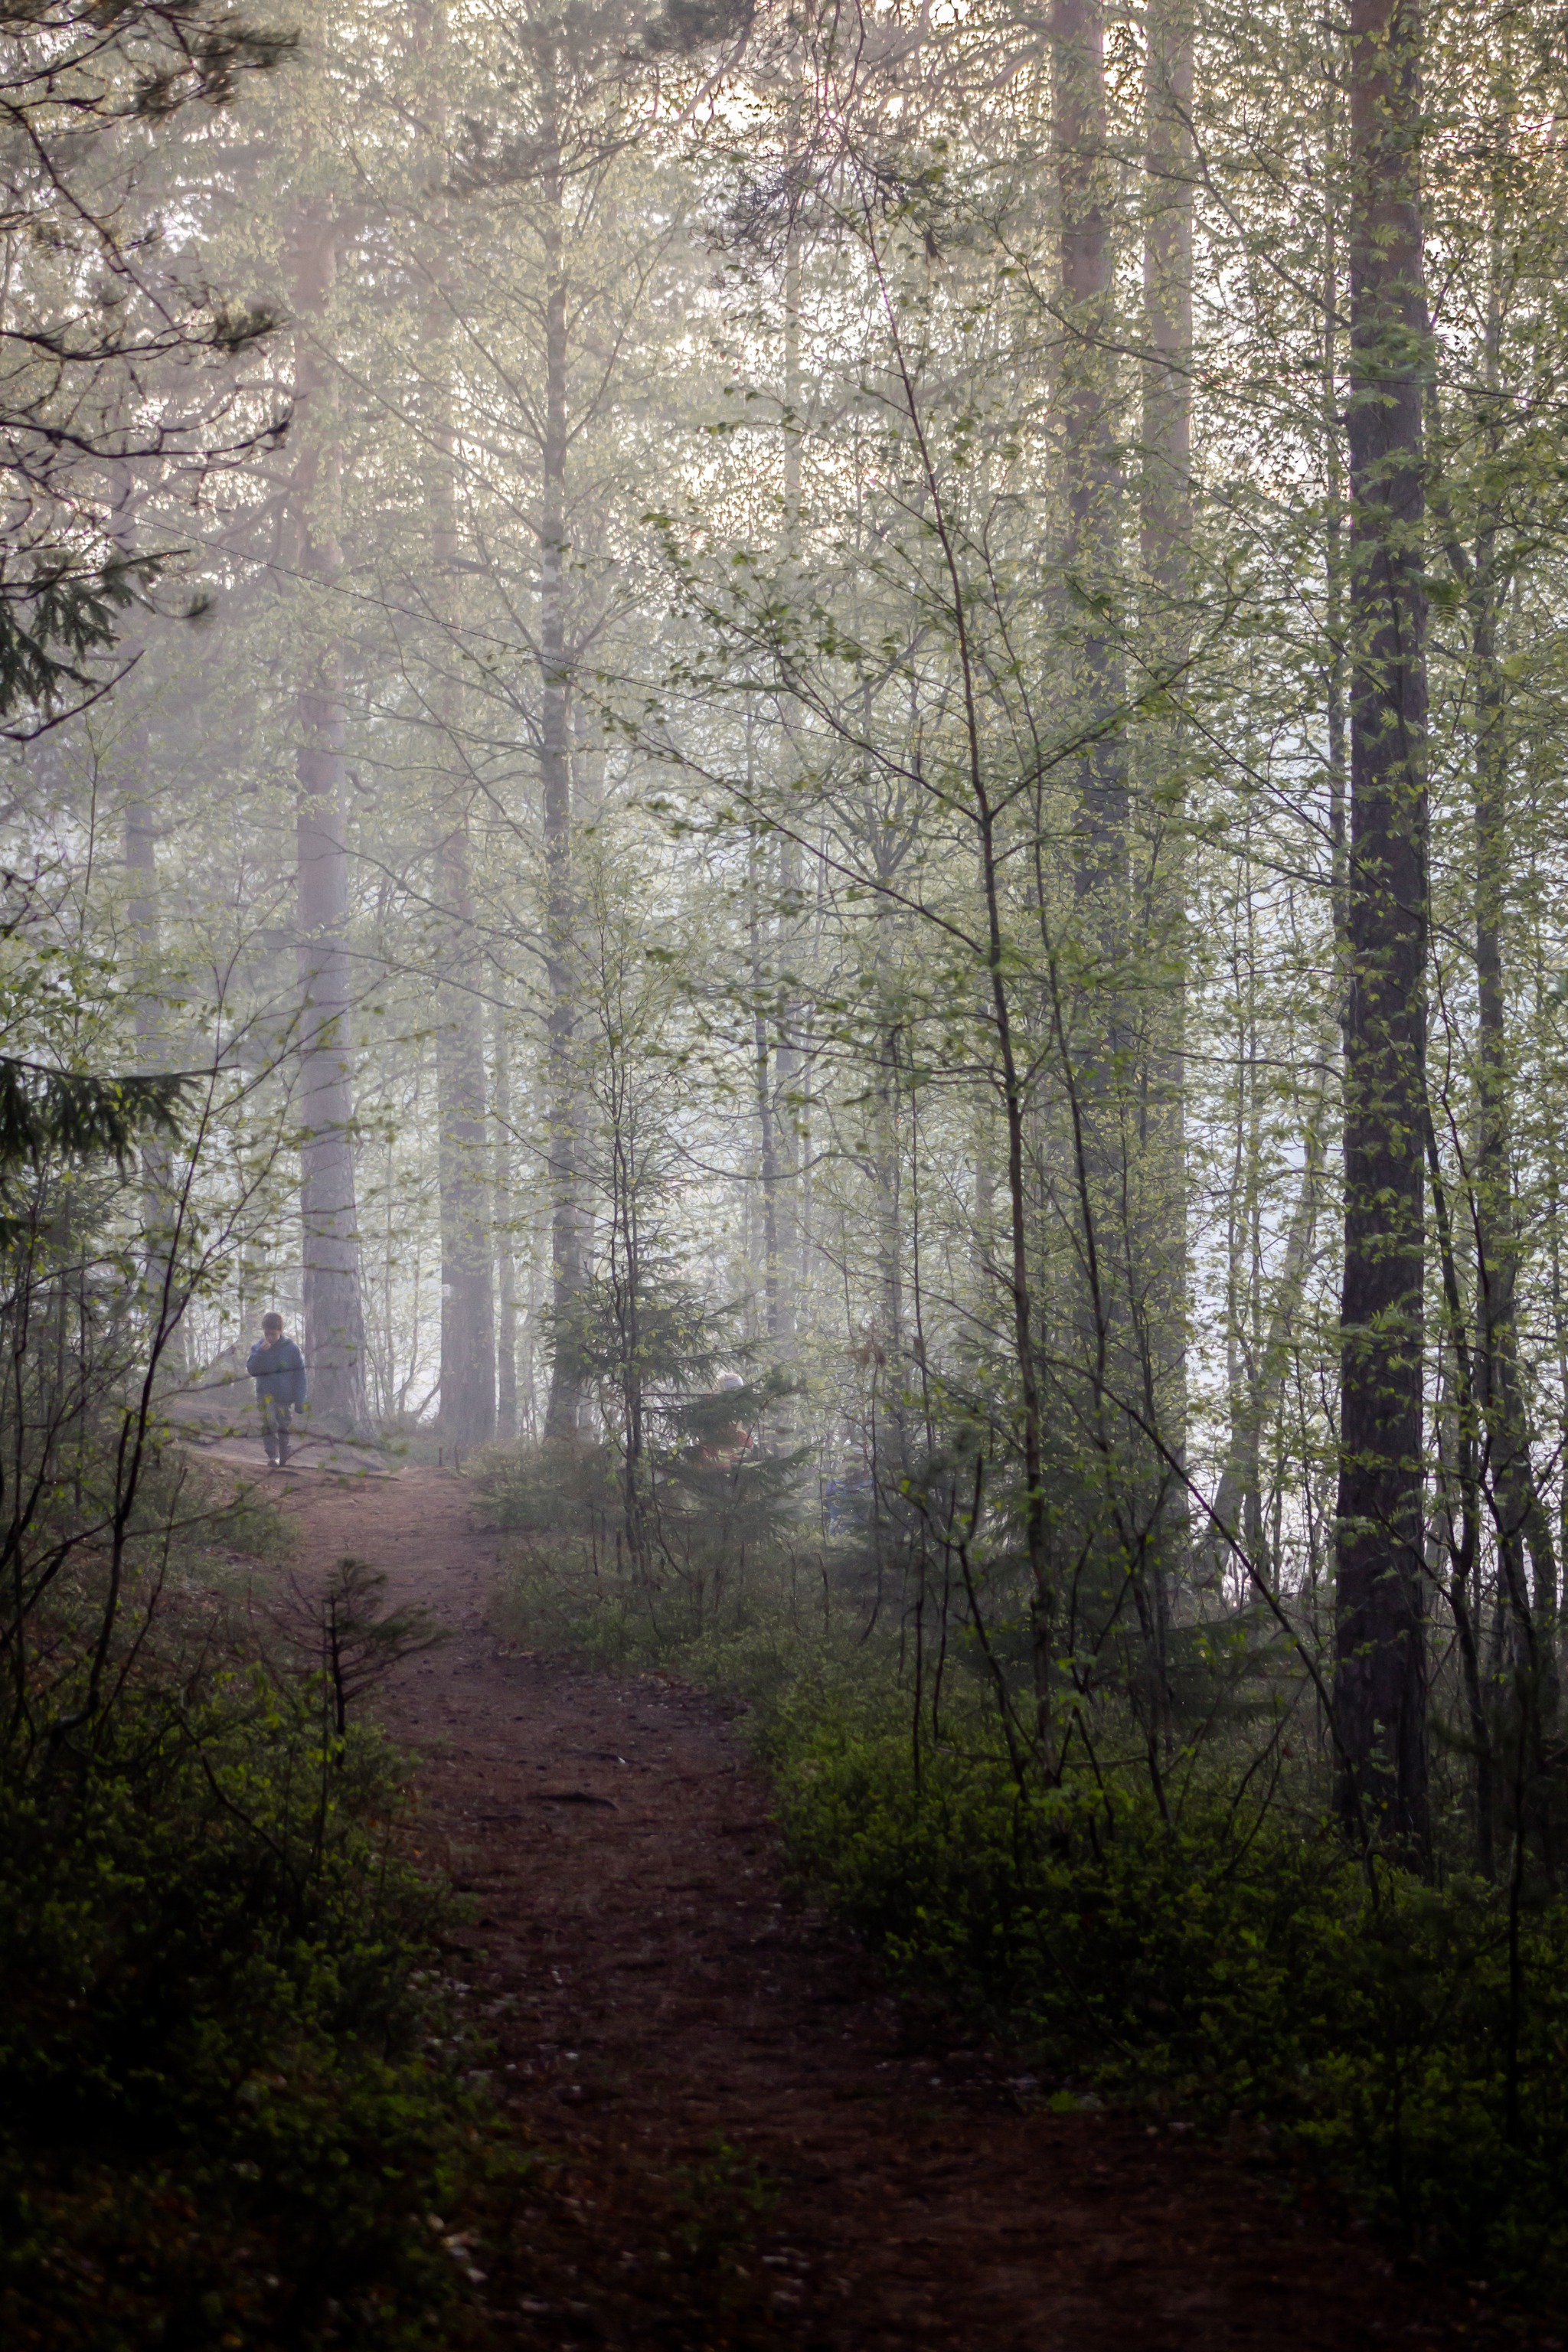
{"x": 1210, "y": 1945}
{"x": 1234, "y": 1959}
{"x": 233, "y": 2102}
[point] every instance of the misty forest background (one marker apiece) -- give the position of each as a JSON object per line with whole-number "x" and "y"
{"x": 870, "y": 700}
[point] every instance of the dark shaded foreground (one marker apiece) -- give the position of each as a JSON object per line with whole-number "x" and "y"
{"x": 755, "y": 2144}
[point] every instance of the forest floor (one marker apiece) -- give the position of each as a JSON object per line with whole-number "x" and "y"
{"x": 751, "y": 2142}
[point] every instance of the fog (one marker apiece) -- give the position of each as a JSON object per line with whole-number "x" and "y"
{"x": 703, "y": 699}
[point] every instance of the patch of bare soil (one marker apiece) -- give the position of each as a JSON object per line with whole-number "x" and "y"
{"x": 656, "y": 1999}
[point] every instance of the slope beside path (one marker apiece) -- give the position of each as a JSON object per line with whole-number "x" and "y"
{"x": 676, "y": 2032}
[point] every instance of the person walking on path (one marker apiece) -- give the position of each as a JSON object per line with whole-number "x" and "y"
{"x": 278, "y": 1371}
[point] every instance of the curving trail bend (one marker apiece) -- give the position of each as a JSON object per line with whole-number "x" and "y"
{"x": 654, "y": 1996}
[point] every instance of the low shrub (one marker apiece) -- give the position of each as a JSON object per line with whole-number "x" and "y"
{"x": 231, "y": 2078}
{"x": 737, "y": 1588}
{"x": 1214, "y": 1946}
{"x": 1233, "y": 1958}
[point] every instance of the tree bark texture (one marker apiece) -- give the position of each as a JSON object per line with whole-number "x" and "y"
{"x": 1520, "y": 1521}
{"x": 333, "y": 1315}
{"x": 501, "y": 1221}
{"x": 467, "y": 1295}
{"x": 165, "y": 1297}
{"x": 1092, "y": 710}
{"x": 1380, "y": 1679}
{"x": 1092, "y": 472}
{"x": 468, "y": 1292}
{"x": 1165, "y": 544}
{"x": 564, "y": 1412}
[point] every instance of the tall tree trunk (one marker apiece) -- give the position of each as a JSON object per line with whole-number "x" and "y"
{"x": 1093, "y": 488}
{"x": 1132, "y": 1492}
{"x": 1090, "y": 562}
{"x": 786, "y": 1207}
{"x": 565, "y": 1410}
{"x": 467, "y": 1295}
{"x": 1380, "y": 1680}
{"x": 1334, "y": 583}
{"x": 1258, "y": 1391}
{"x": 1520, "y": 1521}
{"x": 165, "y": 1296}
{"x": 1165, "y": 539}
{"x": 165, "y": 1301}
{"x": 501, "y": 1217}
{"x": 761, "y": 1054}
{"x": 468, "y": 1364}
{"x": 786, "y": 1138}
{"x": 774, "y": 1062}
{"x": 1464, "y": 1545}
{"x": 334, "y": 1310}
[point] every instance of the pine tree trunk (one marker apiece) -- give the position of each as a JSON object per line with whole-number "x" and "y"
{"x": 1093, "y": 488}
{"x": 164, "y": 1297}
{"x": 1165, "y": 536}
{"x": 564, "y": 1412}
{"x": 333, "y": 1338}
{"x": 1090, "y": 562}
{"x": 761, "y": 1054}
{"x": 1380, "y": 1683}
{"x": 467, "y": 1296}
{"x": 1520, "y": 1521}
{"x": 502, "y": 1218}
{"x": 467, "y": 1369}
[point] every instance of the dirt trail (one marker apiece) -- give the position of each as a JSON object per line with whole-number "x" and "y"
{"x": 665, "y": 1998}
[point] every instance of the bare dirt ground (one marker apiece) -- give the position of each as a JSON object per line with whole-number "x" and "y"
{"x": 655, "y": 1997}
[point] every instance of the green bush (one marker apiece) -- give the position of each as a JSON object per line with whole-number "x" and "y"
{"x": 1235, "y": 1957}
{"x": 231, "y": 2084}
{"x": 1213, "y": 1947}
{"x": 732, "y": 1588}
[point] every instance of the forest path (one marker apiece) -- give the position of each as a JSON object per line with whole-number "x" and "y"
{"x": 662, "y": 1995}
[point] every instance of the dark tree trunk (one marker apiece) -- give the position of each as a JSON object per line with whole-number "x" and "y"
{"x": 1380, "y": 1680}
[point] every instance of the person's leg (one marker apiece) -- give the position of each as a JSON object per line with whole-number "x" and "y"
{"x": 285, "y": 1413}
{"x": 269, "y": 1427}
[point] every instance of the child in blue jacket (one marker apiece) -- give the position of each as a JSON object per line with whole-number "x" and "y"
{"x": 278, "y": 1371}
